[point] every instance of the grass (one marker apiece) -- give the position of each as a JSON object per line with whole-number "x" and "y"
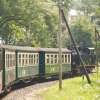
{"x": 74, "y": 89}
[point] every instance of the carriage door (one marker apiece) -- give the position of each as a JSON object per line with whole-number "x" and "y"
{"x": 0, "y": 71}
{"x": 9, "y": 67}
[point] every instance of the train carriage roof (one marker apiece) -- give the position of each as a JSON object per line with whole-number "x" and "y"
{"x": 26, "y": 48}
{"x": 54, "y": 49}
{"x": 20, "y": 48}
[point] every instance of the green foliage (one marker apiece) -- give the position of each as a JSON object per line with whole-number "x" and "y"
{"x": 33, "y": 27}
{"x": 82, "y": 32}
{"x": 74, "y": 89}
{"x": 37, "y": 26}
{"x": 38, "y": 23}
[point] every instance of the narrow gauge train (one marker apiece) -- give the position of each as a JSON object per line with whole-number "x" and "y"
{"x": 20, "y": 63}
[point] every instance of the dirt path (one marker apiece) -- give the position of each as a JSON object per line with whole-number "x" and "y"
{"x": 30, "y": 92}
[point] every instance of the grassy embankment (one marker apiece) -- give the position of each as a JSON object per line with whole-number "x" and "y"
{"x": 75, "y": 89}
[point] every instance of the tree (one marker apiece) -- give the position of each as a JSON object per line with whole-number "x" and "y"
{"x": 33, "y": 23}
{"x": 38, "y": 25}
{"x": 82, "y": 32}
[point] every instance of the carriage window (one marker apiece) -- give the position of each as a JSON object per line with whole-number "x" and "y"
{"x": 51, "y": 59}
{"x": 22, "y": 62}
{"x": 23, "y": 55}
{"x": 62, "y": 58}
{"x": 26, "y": 56}
{"x": 13, "y": 60}
{"x": 31, "y": 59}
{"x": 19, "y": 56}
{"x": 25, "y": 59}
{"x": 65, "y": 58}
{"x": 34, "y": 58}
{"x": 37, "y": 58}
{"x": 10, "y": 59}
{"x": 68, "y": 58}
{"x": 47, "y": 59}
{"x": 55, "y": 58}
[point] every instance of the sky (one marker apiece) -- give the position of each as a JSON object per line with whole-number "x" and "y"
{"x": 73, "y": 12}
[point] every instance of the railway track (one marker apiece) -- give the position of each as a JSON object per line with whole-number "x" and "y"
{"x": 28, "y": 91}
{"x": 31, "y": 90}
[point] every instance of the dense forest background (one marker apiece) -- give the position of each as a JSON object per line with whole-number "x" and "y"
{"x": 35, "y": 22}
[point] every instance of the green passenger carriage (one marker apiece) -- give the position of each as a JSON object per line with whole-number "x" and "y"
{"x": 20, "y": 63}
{"x": 50, "y": 57}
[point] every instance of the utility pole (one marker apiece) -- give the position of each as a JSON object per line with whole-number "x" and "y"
{"x": 77, "y": 51}
{"x": 60, "y": 45}
{"x": 96, "y": 48}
